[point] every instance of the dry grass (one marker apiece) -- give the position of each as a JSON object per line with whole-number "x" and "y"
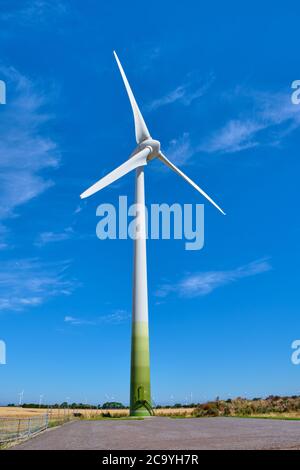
{"x": 18, "y": 412}
{"x": 114, "y": 413}
{"x": 174, "y": 412}
{"x": 184, "y": 412}
{"x": 57, "y": 415}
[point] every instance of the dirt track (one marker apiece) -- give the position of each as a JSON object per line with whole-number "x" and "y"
{"x": 165, "y": 433}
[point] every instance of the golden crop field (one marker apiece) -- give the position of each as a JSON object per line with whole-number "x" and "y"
{"x": 174, "y": 411}
{"x": 18, "y": 412}
{"x": 58, "y": 415}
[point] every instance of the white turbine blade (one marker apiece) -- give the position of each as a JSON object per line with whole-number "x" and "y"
{"x": 167, "y": 162}
{"x": 141, "y": 131}
{"x": 139, "y": 159}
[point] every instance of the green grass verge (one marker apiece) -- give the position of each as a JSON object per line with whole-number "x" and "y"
{"x": 54, "y": 423}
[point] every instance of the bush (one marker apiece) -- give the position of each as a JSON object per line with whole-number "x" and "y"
{"x": 226, "y": 410}
{"x": 112, "y": 405}
{"x": 207, "y": 409}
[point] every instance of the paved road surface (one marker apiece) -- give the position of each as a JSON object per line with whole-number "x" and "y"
{"x": 165, "y": 433}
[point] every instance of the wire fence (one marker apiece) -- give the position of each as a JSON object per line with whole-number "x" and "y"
{"x": 60, "y": 414}
{"x": 12, "y": 429}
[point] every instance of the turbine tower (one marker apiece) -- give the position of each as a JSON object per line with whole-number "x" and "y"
{"x": 147, "y": 149}
{"x": 21, "y": 395}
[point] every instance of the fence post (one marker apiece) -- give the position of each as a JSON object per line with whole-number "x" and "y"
{"x": 13, "y": 429}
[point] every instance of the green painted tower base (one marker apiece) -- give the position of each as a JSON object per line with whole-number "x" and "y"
{"x": 143, "y": 412}
{"x": 140, "y": 393}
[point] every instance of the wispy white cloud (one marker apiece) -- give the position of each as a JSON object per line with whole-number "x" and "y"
{"x": 44, "y": 238}
{"x": 30, "y": 282}
{"x": 77, "y": 210}
{"x": 203, "y": 283}
{"x": 25, "y": 149}
{"x": 143, "y": 62}
{"x": 115, "y": 317}
{"x": 77, "y": 321}
{"x": 28, "y": 12}
{"x": 3, "y": 237}
{"x": 51, "y": 237}
{"x": 269, "y": 118}
{"x": 235, "y": 136}
{"x": 184, "y": 94}
{"x": 265, "y": 119}
{"x": 180, "y": 150}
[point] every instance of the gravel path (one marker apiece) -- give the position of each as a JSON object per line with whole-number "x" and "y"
{"x": 164, "y": 433}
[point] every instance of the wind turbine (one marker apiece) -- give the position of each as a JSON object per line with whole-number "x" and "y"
{"x": 40, "y": 400}
{"x": 147, "y": 149}
{"x": 21, "y": 394}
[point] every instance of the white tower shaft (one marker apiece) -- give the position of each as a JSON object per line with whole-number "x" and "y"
{"x": 140, "y": 288}
{"x": 140, "y": 393}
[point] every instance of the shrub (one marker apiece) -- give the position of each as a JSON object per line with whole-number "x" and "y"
{"x": 207, "y": 409}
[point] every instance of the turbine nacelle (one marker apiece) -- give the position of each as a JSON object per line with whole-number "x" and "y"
{"x": 152, "y": 145}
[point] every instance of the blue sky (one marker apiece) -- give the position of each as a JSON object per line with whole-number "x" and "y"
{"x": 214, "y": 85}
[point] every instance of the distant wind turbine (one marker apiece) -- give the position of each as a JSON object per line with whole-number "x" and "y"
{"x": 21, "y": 395}
{"x": 146, "y": 150}
{"x": 40, "y": 400}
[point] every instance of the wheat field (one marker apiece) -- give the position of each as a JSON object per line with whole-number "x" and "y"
{"x": 64, "y": 413}
{"x": 19, "y": 412}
